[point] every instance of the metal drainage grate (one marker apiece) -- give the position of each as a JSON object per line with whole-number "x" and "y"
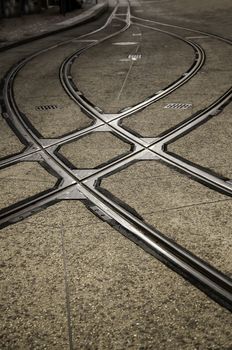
{"x": 178, "y": 105}
{"x": 47, "y": 107}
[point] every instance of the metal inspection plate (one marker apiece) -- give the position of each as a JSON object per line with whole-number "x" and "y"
{"x": 178, "y": 105}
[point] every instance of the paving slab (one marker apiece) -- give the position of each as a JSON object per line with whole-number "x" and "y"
{"x": 84, "y": 154}
{"x": 23, "y": 180}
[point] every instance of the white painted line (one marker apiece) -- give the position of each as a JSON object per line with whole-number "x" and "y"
{"x": 124, "y": 43}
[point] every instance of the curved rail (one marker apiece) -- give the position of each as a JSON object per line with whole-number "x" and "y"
{"x": 213, "y": 282}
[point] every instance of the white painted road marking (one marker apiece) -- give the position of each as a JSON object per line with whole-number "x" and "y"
{"x": 124, "y": 43}
{"x": 135, "y": 57}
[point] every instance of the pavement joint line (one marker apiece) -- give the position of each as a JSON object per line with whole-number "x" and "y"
{"x": 127, "y": 75}
{"x": 66, "y": 288}
{"x": 187, "y": 206}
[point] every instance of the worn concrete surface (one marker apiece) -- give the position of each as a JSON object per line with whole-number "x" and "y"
{"x": 208, "y": 145}
{"x": 10, "y": 143}
{"x": 69, "y": 280}
{"x": 84, "y": 275}
{"x": 32, "y": 289}
{"x": 23, "y": 180}
{"x": 83, "y": 154}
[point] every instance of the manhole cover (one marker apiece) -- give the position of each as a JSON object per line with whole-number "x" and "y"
{"x": 47, "y": 107}
{"x": 178, "y": 105}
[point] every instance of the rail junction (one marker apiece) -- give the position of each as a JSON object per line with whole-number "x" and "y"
{"x": 103, "y": 114}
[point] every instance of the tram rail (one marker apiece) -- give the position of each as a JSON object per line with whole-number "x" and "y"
{"x": 84, "y": 184}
